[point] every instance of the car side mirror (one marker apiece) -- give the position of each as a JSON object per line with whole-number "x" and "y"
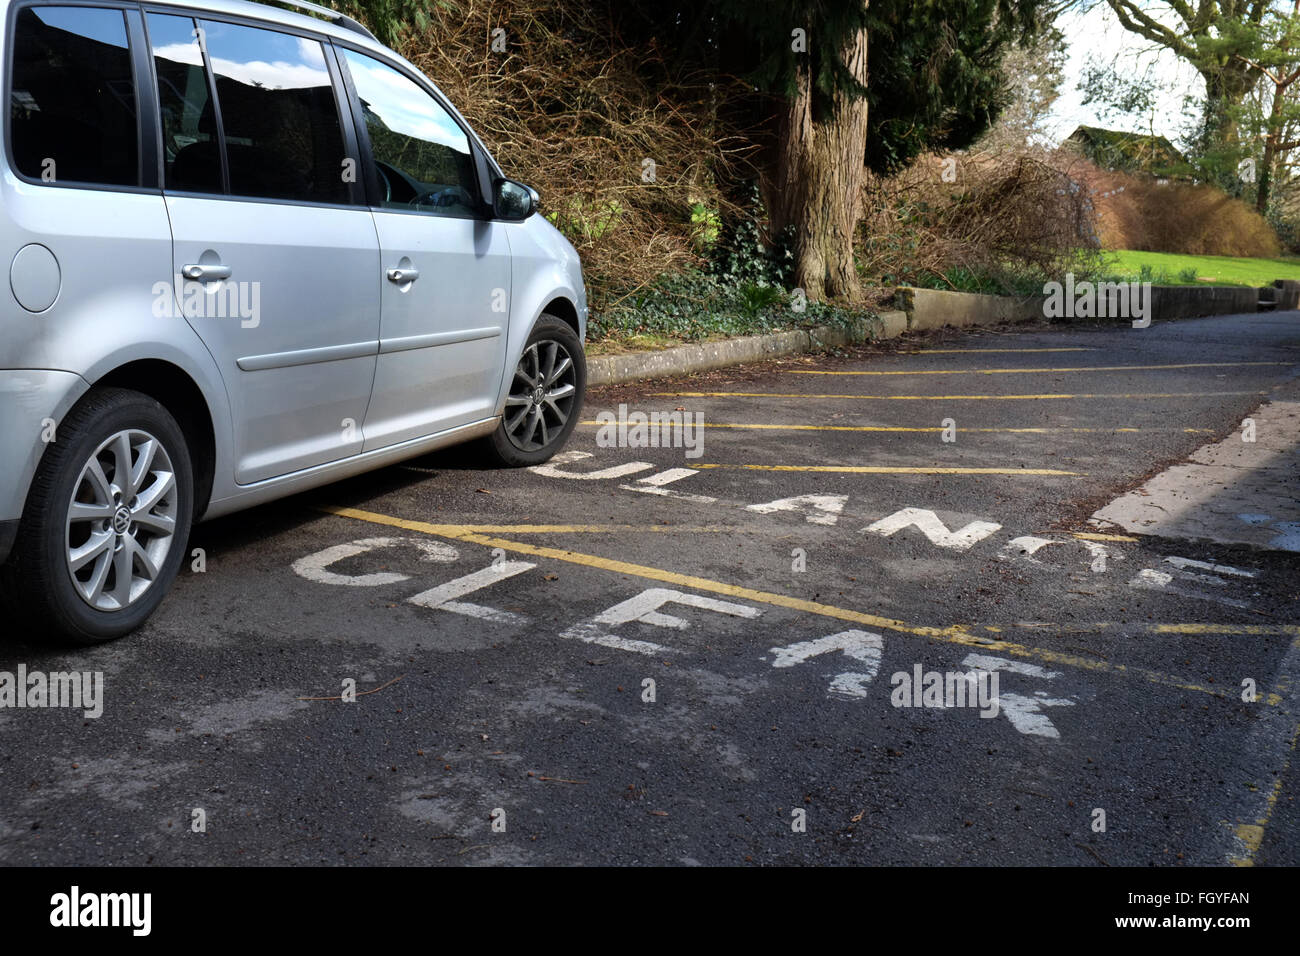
{"x": 512, "y": 201}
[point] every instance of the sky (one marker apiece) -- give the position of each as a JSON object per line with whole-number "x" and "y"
{"x": 1097, "y": 35}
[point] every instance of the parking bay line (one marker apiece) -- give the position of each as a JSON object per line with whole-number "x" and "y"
{"x": 957, "y": 634}
{"x": 1030, "y": 371}
{"x": 896, "y": 470}
{"x": 906, "y": 428}
{"x": 1186, "y": 628}
{"x": 960, "y": 351}
{"x": 951, "y": 398}
{"x": 1269, "y": 748}
{"x": 569, "y": 528}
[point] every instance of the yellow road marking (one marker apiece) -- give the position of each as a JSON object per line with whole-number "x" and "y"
{"x": 578, "y": 528}
{"x": 1251, "y": 835}
{"x": 1254, "y": 629}
{"x": 897, "y": 470}
{"x": 1094, "y": 536}
{"x": 1097, "y": 627}
{"x": 959, "y": 351}
{"x": 901, "y": 428}
{"x": 1027, "y": 371}
{"x": 947, "y": 398}
{"x": 957, "y": 634}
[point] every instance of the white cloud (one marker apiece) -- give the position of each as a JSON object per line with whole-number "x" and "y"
{"x": 276, "y": 75}
{"x": 403, "y": 106}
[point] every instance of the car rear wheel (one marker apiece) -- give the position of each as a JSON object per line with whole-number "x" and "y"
{"x": 106, "y": 522}
{"x": 545, "y": 396}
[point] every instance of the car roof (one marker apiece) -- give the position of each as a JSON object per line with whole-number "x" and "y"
{"x": 273, "y": 14}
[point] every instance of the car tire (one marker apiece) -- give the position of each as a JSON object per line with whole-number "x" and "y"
{"x": 98, "y": 547}
{"x": 544, "y": 398}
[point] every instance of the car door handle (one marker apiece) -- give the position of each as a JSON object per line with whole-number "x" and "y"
{"x": 197, "y": 272}
{"x": 402, "y": 276}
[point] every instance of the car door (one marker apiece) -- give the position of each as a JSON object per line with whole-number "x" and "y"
{"x": 276, "y": 259}
{"x": 446, "y": 288}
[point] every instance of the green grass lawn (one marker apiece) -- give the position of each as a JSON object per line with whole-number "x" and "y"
{"x": 1163, "y": 268}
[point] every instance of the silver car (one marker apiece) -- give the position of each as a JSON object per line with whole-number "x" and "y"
{"x": 250, "y": 251}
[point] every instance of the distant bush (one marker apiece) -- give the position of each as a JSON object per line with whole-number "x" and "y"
{"x": 1202, "y": 221}
{"x": 1136, "y": 212}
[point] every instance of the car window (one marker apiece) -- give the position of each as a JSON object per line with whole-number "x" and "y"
{"x": 277, "y": 110}
{"x": 72, "y": 103}
{"x": 191, "y": 156}
{"x": 422, "y": 155}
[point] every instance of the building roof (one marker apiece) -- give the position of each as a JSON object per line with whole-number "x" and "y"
{"x": 1134, "y": 152}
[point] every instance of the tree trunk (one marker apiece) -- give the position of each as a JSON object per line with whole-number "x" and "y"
{"x": 820, "y": 171}
{"x": 1272, "y": 138}
{"x": 1225, "y": 90}
{"x": 1273, "y": 132}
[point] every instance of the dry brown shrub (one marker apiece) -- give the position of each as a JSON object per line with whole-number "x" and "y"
{"x": 1201, "y": 220}
{"x": 573, "y": 111}
{"x": 1012, "y": 216}
{"x": 1136, "y": 212}
{"x": 1118, "y": 205}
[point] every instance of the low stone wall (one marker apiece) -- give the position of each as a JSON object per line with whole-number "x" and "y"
{"x": 684, "y": 359}
{"x": 920, "y": 309}
{"x": 1190, "y": 302}
{"x": 936, "y": 308}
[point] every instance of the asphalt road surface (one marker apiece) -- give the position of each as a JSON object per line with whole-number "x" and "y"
{"x": 704, "y": 652}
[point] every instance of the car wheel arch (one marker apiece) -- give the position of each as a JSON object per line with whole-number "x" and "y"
{"x": 177, "y": 391}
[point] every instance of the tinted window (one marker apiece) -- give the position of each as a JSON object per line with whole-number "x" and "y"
{"x": 276, "y": 108}
{"x": 191, "y": 156}
{"x": 283, "y": 139}
{"x": 423, "y": 156}
{"x": 72, "y": 108}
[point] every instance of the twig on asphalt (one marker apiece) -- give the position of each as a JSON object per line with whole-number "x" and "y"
{"x": 555, "y": 779}
{"x": 1084, "y": 846}
{"x": 373, "y": 690}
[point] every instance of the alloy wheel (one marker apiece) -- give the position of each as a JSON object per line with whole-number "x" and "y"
{"x": 121, "y": 520}
{"x": 541, "y": 395}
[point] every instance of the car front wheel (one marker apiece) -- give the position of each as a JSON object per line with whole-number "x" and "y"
{"x": 544, "y": 398}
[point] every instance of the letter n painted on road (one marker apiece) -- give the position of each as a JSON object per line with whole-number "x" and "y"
{"x": 928, "y": 523}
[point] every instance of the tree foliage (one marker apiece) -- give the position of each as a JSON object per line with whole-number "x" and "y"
{"x": 1211, "y": 35}
{"x": 388, "y": 20}
{"x": 935, "y": 77}
{"x": 936, "y": 72}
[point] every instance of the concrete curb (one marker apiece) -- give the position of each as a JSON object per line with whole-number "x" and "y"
{"x": 921, "y": 309}
{"x": 684, "y": 359}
